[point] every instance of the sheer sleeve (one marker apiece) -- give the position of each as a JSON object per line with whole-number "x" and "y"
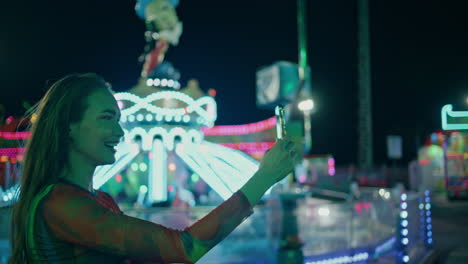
{"x": 78, "y": 219}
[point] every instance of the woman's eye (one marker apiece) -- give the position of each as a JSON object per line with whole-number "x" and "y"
{"x": 107, "y": 117}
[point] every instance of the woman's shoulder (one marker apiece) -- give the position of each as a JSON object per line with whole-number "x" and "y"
{"x": 60, "y": 190}
{"x": 62, "y": 196}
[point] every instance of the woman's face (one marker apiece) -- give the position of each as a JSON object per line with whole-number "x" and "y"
{"x": 94, "y": 137}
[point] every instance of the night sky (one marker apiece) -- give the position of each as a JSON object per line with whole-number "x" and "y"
{"x": 419, "y": 58}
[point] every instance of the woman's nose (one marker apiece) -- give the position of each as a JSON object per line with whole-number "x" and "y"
{"x": 119, "y": 131}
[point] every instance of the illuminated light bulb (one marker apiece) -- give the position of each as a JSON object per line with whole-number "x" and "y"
{"x": 149, "y": 82}
{"x": 404, "y": 205}
{"x": 404, "y": 214}
{"x": 139, "y": 117}
{"x": 186, "y": 118}
{"x": 123, "y": 119}
{"x": 405, "y": 258}
{"x": 195, "y": 177}
{"x": 404, "y": 232}
{"x": 178, "y": 118}
{"x": 403, "y": 196}
{"x": 381, "y": 192}
{"x": 9, "y": 119}
{"x": 159, "y": 117}
{"x": 143, "y": 189}
{"x": 134, "y": 166}
{"x": 168, "y": 118}
{"x": 163, "y": 82}
{"x": 131, "y": 118}
{"x": 143, "y": 167}
{"x": 387, "y": 195}
{"x": 33, "y": 118}
{"x": 212, "y": 92}
{"x": 170, "y": 83}
{"x": 118, "y": 178}
{"x": 428, "y": 206}
{"x": 149, "y": 117}
{"x": 306, "y": 105}
{"x": 323, "y": 211}
{"x": 172, "y": 167}
{"x": 302, "y": 178}
{"x": 404, "y": 223}
{"x": 157, "y": 82}
{"x": 404, "y": 241}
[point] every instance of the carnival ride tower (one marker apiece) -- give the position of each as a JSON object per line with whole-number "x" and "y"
{"x": 162, "y": 124}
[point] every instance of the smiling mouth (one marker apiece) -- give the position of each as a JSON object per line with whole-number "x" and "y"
{"x": 111, "y": 147}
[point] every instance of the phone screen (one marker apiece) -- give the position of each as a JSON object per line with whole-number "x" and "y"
{"x": 280, "y": 122}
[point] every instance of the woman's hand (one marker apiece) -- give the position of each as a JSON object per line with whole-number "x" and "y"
{"x": 279, "y": 161}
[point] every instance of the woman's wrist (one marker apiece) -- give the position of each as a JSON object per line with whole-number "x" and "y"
{"x": 255, "y": 187}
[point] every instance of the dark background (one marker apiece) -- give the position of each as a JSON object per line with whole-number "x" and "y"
{"x": 418, "y": 48}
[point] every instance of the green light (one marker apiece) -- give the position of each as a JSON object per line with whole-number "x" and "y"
{"x": 302, "y": 37}
{"x": 195, "y": 177}
{"x": 143, "y": 189}
{"x": 461, "y": 115}
{"x": 434, "y": 151}
{"x": 134, "y": 166}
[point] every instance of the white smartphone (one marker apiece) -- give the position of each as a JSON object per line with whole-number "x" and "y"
{"x": 280, "y": 122}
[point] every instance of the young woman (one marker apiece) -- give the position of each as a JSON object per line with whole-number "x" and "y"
{"x": 60, "y": 218}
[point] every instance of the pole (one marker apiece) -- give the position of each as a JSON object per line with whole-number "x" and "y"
{"x": 365, "y": 147}
{"x": 304, "y": 77}
{"x": 302, "y": 38}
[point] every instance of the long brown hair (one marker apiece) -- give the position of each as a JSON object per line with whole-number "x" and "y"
{"x": 47, "y": 149}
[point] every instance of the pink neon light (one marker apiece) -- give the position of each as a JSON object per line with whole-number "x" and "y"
{"x": 15, "y": 135}
{"x": 250, "y": 147}
{"x": 11, "y": 152}
{"x": 302, "y": 178}
{"x": 240, "y": 129}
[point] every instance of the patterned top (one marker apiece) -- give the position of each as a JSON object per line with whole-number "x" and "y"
{"x": 69, "y": 224}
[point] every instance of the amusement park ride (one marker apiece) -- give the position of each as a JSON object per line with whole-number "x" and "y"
{"x": 171, "y": 150}
{"x": 173, "y": 156}
{"x": 443, "y": 161}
